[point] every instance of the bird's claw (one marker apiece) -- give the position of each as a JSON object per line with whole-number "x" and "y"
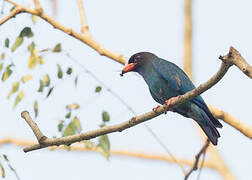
{"x": 168, "y": 103}
{"x": 155, "y": 108}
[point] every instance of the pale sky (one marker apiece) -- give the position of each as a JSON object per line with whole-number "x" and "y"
{"x": 128, "y": 27}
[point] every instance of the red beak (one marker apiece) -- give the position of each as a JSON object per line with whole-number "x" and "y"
{"x": 128, "y": 68}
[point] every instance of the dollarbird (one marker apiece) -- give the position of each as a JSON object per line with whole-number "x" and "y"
{"x": 166, "y": 80}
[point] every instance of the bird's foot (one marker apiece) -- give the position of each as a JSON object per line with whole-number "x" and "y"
{"x": 155, "y": 108}
{"x": 168, "y": 103}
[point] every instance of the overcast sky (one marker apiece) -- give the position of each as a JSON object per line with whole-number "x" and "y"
{"x": 128, "y": 27}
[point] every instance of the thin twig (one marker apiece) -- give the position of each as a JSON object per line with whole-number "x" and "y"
{"x": 87, "y": 39}
{"x": 201, "y": 165}
{"x": 188, "y": 39}
{"x": 197, "y": 157}
{"x": 84, "y": 25}
{"x": 38, "y": 6}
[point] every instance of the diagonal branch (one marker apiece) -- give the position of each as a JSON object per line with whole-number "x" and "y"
{"x": 85, "y": 38}
{"x": 197, "y": 158}
{"x": 245, "y": 129}
{"x": 227, "y": 62}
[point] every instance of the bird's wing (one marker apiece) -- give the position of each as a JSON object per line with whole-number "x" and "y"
{"x": 175, "y": 76}
{"x": 180, "y": 82}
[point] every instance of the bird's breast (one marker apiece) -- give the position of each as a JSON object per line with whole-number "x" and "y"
{"x": 159, "y": 86}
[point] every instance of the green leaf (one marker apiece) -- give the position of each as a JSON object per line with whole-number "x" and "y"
{"x": 1, "y": 67}
{"x": 2, "y": 55}
{"x": 41, "y": 60}
{"x": 19, "y": 97}
{"x": 49, "y": 92}
{"x": 7, "y": 73}
{"x": 69, "y": 130}
{"x": 69, "y": 71}
{"x": 34, "y": 19}
{"x": 17, "y": 43}
{"x": 14, "y": 88}
{"x": 57, "y": 48}
{"x": 31, "y": 46}
{"x": 26, "y": 32}
{"x": 60, "y": 125}
{"x": 105, "y": 116}
{"x": 60, "y": 73}
{"x": 41, "y": 86}
{"x": 73, "y": 127}
{"x": 76, "y": 81}
{"x": 104, "y": 144}
{"x": 26, "y": 78}
{"x": 5, "y": 157}
{"x": 36, "y": 108}
{"x": 47, "y": 80}
{"x": 98, "y": 89}
{"x": 68, "y": 115}
{"x": 7, "y": 42}
{"x": 77, "y": 125}
{"x": 34, "y": 59}
{"x": 2, "y": 170}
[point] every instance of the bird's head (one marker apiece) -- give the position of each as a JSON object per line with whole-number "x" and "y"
{"x": 137, "y": 61}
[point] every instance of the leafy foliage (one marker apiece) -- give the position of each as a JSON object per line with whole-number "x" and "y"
{"x": 26, "y": 32}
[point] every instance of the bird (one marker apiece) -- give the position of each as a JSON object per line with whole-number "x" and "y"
{"x": 165, "y": 81}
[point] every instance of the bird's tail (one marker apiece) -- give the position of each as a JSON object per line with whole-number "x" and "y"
{"x": 211, "y": 132}
{"x": 209, "y": 128}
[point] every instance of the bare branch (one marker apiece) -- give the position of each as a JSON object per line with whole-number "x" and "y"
{"x": 197, "y": 157}
{"x": 188, "y": 39}
{"x": 245, "y": 129}
{"x": 84, "y": 27}
{"x": 37, "y": 6}
{"x": 239, "y": 61}
{"x": 87, "y": 39}
{"x": 39, "y": 135}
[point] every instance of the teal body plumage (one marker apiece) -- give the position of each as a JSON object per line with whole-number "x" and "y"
{"x": 167, "y": 80}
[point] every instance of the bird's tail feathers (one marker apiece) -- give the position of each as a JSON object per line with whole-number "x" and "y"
{"x": 209, "y": 128}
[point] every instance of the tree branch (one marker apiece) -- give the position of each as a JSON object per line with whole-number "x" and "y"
{"x": 245, "y": 129}
{"x": 128, "y": 153}
{"x": 37, "y": 6}
{"x": 227, "y": 62}
{"x": 85, "y": 38}
{"x": 197, "y": 157}
{"x": 188, "y": 39}
{"x": 84, "y": 27}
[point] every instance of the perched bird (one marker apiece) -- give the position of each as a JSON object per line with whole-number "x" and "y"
{"x": 166, "y": 80}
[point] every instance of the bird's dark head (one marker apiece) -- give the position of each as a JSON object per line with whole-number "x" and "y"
{"x": 138, "y": 60}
